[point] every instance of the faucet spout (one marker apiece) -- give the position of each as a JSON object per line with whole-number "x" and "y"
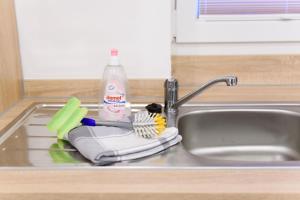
{"x": 229, "y": 80}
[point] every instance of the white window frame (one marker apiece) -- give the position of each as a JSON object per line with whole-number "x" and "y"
{"x": 212, "y": 29}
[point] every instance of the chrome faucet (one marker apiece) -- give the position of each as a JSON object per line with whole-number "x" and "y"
{"x": 171, "y": 95}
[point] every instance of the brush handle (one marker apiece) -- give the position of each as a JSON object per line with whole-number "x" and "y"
{"x": 127, "y": 125}
{"x": 92, "y": 122}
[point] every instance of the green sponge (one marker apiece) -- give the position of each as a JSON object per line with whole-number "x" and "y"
{"x": 72, "y": 122}
{"x": 67, "y": 118}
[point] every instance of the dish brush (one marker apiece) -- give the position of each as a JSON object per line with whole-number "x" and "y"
{"x": 144, "y": 124}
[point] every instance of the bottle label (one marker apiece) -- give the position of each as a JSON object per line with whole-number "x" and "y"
{"x": 114, "y": 101}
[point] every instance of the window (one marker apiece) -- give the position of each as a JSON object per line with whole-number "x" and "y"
{"x": 247, "y": 7}
{"x": 237, "y": 21}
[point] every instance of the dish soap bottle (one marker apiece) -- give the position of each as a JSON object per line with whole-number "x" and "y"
{"x": 115, "y": 105}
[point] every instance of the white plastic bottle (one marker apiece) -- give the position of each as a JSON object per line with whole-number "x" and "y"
{"x": 114, "y": 98}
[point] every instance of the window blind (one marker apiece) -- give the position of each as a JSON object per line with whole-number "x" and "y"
{"x": 247, "y": 7}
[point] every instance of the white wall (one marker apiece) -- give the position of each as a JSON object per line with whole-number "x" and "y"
{"x": 70, "y": 39}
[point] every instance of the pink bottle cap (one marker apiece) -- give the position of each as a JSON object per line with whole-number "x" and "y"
{"x": 114, "y": 52}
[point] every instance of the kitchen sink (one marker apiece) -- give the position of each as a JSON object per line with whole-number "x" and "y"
{"x": 214, "y": 136}
{"x": 263, "y": 135}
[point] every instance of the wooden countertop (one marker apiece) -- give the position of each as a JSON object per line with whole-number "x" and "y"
{"x": 103, "y": 183}
{"x": 150, "y": 184}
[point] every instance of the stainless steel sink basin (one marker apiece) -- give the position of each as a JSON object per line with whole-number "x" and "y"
{"x": 242, "y": 134}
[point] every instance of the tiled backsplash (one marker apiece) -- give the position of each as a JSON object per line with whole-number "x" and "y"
{"x": 251, "y": 70}
{"x": 141, "y": 90}
{"x": 261, "y": 78}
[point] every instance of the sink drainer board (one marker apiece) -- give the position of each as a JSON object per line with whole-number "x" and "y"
{"x": 206, "y": 130}
{"x": 27, "y": 142}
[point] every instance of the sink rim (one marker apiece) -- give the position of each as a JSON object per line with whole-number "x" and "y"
{"x": 270, "y": 110}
